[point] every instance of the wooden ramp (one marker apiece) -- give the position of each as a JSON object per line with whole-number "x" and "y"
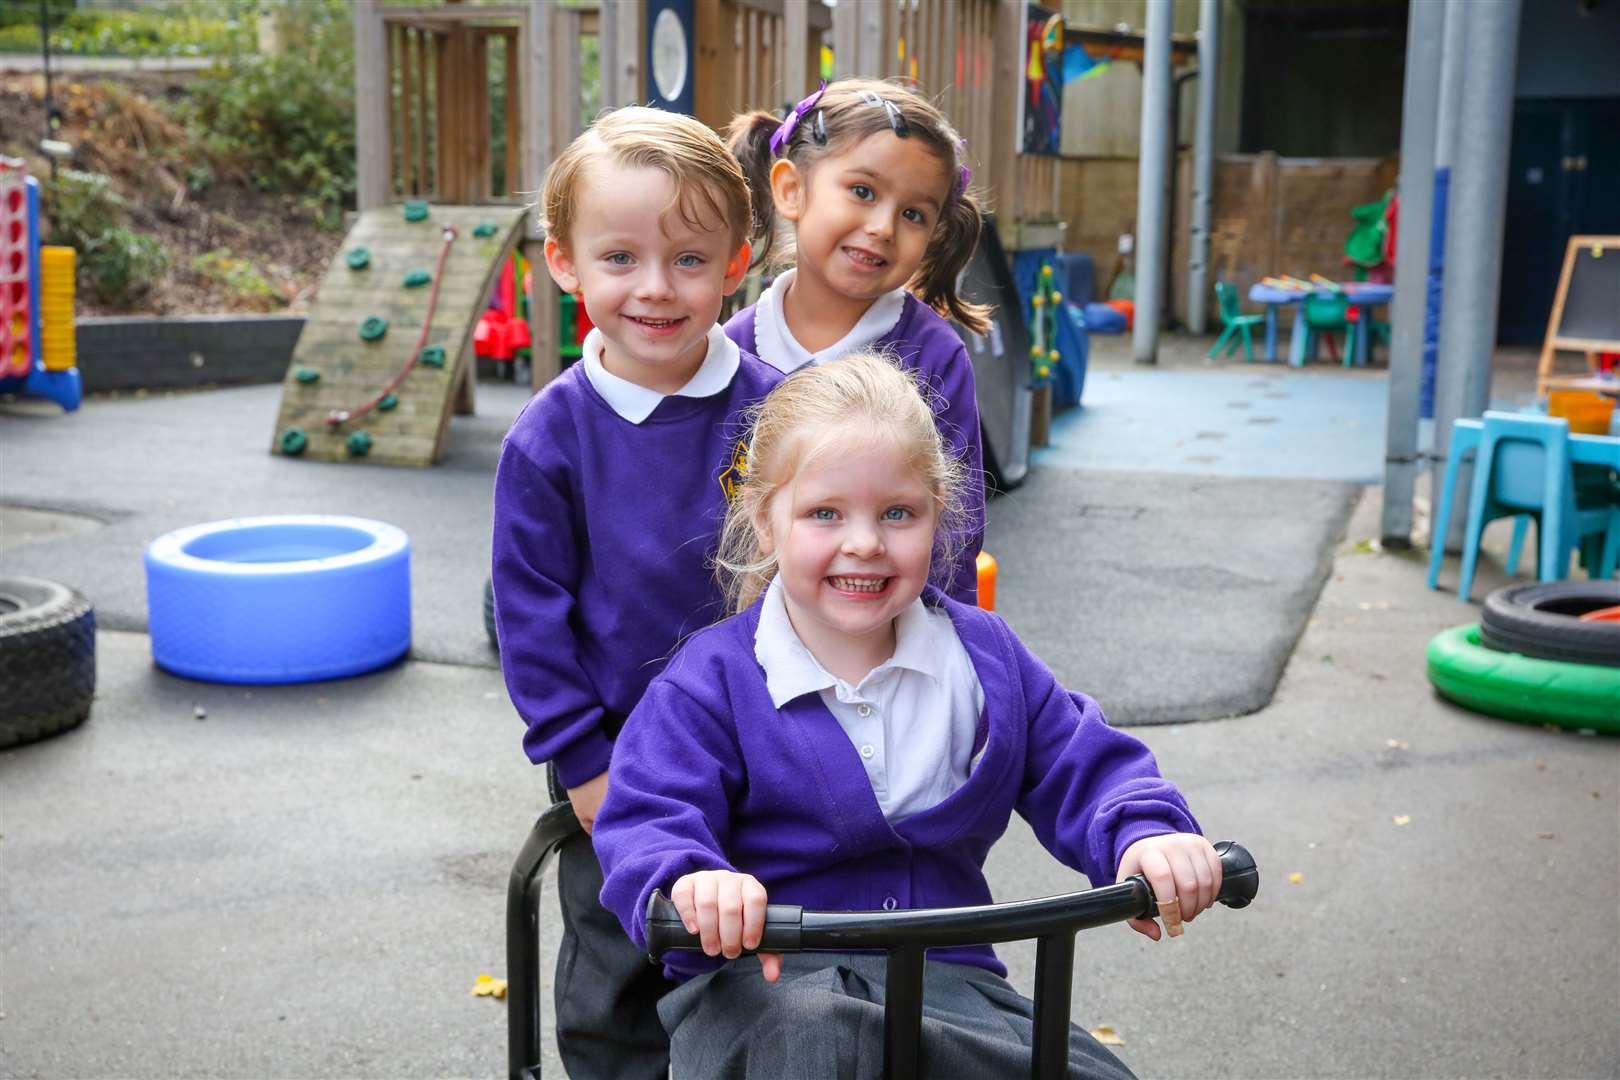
{"x": 352, "y": 371}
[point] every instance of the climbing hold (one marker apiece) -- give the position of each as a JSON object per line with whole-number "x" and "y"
{"x": 416, "y": 210}
{"x": 307, "y": 375}
{"x": 358, "y": 258}
{"x": 1054, "y": 356}
{"x": 484, "y": 228}
{"x": 388, "y": 402}
{"x": 359, "y": 444}
{"x": 433, "y": 356}
{"x": 1043, "y": 371}
{"x": 1057, "y": 297}
{"x": 1038, "y": 300}
{"x": 1046, "y": 271}
{"x": 293, "y": 441}
{"x": 1035, "y": 351}
{"x": 417, "y": 278}
{"x": 374, "y": 327}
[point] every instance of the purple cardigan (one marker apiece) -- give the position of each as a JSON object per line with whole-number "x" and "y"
{"x": 603, "y": 531}
{"x": 926, "y": 343}
{"x": 708, "y": 775}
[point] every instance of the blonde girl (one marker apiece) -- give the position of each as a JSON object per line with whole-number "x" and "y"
{"x": 864, "y": 190}
{"x": 854, "y": 739}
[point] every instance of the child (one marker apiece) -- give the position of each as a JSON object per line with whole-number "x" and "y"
{"x": 611, "y": 487}
{"x": 853, "y": 739}
{"x": 870, "y": 177}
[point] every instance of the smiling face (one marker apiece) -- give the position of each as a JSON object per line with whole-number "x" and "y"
{"x": 865, "y": 214}
{"x": 852, "y": 532}
{"x": 652, "y": 281}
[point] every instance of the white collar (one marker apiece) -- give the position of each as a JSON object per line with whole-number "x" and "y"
{"x": 792, "y": 671}
{"x": 635, "y": 403}
{"x": 777, "y": 346}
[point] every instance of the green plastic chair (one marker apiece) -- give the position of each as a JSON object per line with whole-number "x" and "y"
{"x": 1226, "y": 295}
{"x": 1325, "y": 316}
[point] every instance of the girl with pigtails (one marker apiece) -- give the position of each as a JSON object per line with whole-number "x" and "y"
{"x": 864, "y": 189}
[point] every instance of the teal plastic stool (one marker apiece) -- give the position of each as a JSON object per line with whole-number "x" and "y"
{"x": 1523, "y": 467}
{"x": 1325, "y": 316}
{"x": 1235, "y": 321}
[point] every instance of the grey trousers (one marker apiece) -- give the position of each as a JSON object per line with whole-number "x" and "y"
{"x": 824, "y": 1019}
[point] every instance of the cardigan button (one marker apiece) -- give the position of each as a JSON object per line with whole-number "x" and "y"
{"x": 865, "y": 710}
{"x": 867, "y": 751}
{"x": 890, "y": 903}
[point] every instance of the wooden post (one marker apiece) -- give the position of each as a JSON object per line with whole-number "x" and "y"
{"x": 619, "y": 51}
{"x": 539, "y": 148}
{"x": 1007, "y": 79}
{"x": 796, "y": 81}
{"x": 371, "y": 100}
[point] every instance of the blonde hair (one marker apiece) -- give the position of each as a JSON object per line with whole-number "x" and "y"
{"x": 846, "y": 116}
{"x": 866, "y": 388}
{"x": 708, "y": 181}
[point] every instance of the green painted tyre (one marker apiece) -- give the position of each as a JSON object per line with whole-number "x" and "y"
{"x": 1518, "y": 687}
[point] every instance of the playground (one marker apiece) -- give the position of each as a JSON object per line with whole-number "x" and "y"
{"x": 277, "y": 839}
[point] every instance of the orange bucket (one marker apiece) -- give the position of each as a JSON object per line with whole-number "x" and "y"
{"x": 1588, "y": 414}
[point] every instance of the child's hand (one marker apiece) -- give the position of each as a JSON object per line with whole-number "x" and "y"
{"x": 727, "y": 911}
{"x": 587, "y": 800}
{"x": 1185, "y": 874}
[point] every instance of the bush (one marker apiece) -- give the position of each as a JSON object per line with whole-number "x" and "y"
{"x": 238, "y": 275}
{"x": 80, "y": 206}
{"x": 122, "y": 267}
{"x": 286, "y": 121}
{"x": 161, "y": 31}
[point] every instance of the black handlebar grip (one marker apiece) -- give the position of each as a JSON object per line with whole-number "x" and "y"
{"x": 666, "y": 931}
{"x": 1240, "y": 877}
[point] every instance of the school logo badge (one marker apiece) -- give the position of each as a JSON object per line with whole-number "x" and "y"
{"x": 736, "y": 471}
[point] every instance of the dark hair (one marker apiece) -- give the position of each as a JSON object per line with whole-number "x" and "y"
{"x": 845, "y": 114}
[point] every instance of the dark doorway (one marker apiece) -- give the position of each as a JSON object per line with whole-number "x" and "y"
{"x": 1563, "y": 181}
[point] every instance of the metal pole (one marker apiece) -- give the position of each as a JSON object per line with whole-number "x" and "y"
{"x": 1209, "y": 49}
{"x": 1474, "y": 240}
{"x": 1424, "y": 26}
{"x": 1151, "y": 203}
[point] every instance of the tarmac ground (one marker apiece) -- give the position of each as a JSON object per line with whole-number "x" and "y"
{"x": 305, "y": 881}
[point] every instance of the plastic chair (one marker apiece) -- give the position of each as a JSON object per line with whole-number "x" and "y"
{"x": 1235, "y": 321}
{"x": 1523, "y": 468}
{"x": 1325, "y": 316}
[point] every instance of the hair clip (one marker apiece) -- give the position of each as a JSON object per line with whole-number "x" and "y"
{"x": 819, "y": 131}
{"x": 896, "y": 120}
{"x": 784, "y": 131}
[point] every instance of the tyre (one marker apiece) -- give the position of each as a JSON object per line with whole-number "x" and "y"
{"x": 489, "y": 612}
{"x": 1543, "y": 621}
{"x": 1517, "y": 687}
{"x": 279, "y": 599}
{"x": 47, "y": 659}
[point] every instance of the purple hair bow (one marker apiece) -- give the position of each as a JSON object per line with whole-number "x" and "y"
{"x": 784, "y": 132}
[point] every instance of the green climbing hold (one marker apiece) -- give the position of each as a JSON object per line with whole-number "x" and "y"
{"x": 416, "y": 210}
{"x": 374, "y": 327}
{"x": 359, "y": 444}
{"x": 484, "y": 228}
{"x": 417, "y": 278}
{"x": 433, "y": 356}
{"x": 358, "y": 258}
{"x": 388, "y": 402}
{"x": 293, "y": 441}
{"x": 307, "y": 375}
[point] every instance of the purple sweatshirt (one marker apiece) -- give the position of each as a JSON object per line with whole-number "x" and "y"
{"x": 708, "y": 775}
{"x": 603, "y": 531}
{"x": 926, "y": 343}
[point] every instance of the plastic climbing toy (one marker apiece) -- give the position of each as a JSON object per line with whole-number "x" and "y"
{"x": 37, "y": 350}
{"x": 1043, "y": 353}
{"x": 415, "y": 279}
{"x": 416, "y": 210}
{"x": 293, "y": 441}
{"x": 373, "y": 328}
{"x": 358, "y": 258}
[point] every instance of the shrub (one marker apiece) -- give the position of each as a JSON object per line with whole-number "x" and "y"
{"x": 80, "y": 206}
{"x": 121, "y": 267}
{"x": 238, "y": 275}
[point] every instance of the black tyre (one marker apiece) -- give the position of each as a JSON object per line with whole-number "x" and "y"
{"x": 489, "y": 612}
{"x": 47, "y": 659}
{"x": 1543, "y": 621}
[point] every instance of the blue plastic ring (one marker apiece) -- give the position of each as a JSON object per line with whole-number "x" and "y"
{"x": 284, "y": 599}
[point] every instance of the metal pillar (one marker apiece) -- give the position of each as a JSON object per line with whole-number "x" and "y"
{"x": 1478, "y": 204}
{"x": 1402, "y": 457}
{"x": 1209, "y": 51}
{"x": 1151, "y": 203}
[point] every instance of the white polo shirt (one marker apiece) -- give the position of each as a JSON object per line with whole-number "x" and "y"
{"x": 635, "y": 403}
{"x": 779, "y": 348}
{"x": 912, "y": 720}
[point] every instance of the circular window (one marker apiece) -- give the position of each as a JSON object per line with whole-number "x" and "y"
{"x": 669, "y": 59}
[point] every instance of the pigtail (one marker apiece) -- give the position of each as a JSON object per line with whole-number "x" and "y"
{"x": 942, "y": 264}
{"x": 749, "y": 138}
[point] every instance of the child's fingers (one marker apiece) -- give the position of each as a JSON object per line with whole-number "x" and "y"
{"x": 753, "y": 901}
{"x": 1145, "y": 926}
{"x": 1161, "y": 875}
{"x": 680, "y": 894}
{"x": 771, "y": 964}
{"x": 729, "y": 905}
{"x": 707, "y": 909}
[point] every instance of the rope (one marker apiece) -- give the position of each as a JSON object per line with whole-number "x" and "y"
{"x": 341, "y": 416}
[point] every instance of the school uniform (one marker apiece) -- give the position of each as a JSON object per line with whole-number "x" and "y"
{"x": 903, "y": 326}
{"x": 608, "y": 504}
{"x": 715, "y": 772}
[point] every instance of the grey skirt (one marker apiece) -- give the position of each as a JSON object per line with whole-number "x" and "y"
{"x": 824, "y": 1019}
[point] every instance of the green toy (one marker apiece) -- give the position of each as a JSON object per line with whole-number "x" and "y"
{"x": 1523, "y": 688}
{"x": 1044, "y": 307}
